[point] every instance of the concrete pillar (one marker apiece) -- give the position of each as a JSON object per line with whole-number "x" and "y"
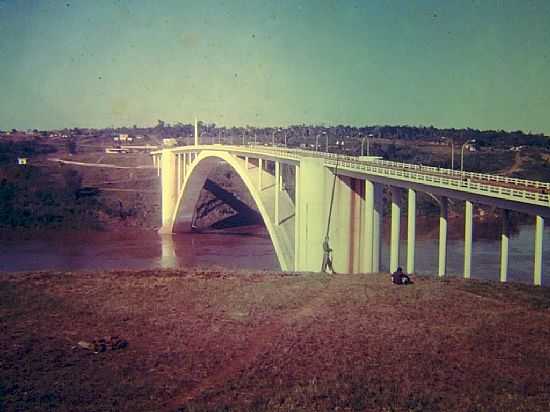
{"x": 178, "y": 167}
{"x": 312, "y": 208}
{"x": 411, "y": 230}
{"x": 297, "y": 217}
{"x": 277, "y": 190}
{"x": 368, "y": 217}
{"x": 169, "y": 190}
{"x": 443, "y": 212}
{"x": 184, "y": 166}
{"x": 539, "y": 234}
{"x": 468, "y": 237}
{"x": 395, "y": 228}
{"x": 504, "y": 246}
{"x": 376, "y": 224}
{"x": 260, "y": 172}
{"x": 345, "y": 228}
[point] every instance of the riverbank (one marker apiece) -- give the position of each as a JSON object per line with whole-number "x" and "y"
{"x": 210, "y": 340}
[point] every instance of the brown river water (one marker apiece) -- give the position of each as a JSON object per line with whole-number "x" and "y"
{"x": 250, "y": 248}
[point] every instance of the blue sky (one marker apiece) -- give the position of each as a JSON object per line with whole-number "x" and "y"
{"x": 468, "y": 63}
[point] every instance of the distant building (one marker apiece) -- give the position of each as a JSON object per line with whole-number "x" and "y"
{"x": 169, "y": 142}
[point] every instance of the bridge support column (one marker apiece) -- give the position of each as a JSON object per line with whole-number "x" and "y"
{"x": 539, "y": 233}
{"x": 169, "y": 190}
{"x": 297, "y": 216}
{"x": 376, "y": 225}
{"x": 180, "y": 172}
{"x": 345, "y": 229}
{"x": 260, "y": 172}
{"x": 504, "y": 246}
{"x": 411, "y": 230}
{"x": 184, "y": 166}
{"x": 371, "y": 227}
{"x": 468, "y": 237}
{"x": 277, "y": 190}
{"x": 395, "y": 228}
{"x": 312, "y": 208}
{"x": 443, "y": 212}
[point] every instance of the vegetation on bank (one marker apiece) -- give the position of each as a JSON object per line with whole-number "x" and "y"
{"x": 37, "y": 198}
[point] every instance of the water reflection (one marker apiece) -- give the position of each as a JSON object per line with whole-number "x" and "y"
{"x": 250, "y": 248}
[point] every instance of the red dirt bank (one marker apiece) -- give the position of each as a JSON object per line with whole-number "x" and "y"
{"x": 226, "y": 341}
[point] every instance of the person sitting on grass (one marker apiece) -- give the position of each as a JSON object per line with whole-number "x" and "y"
{"x": 400, "y": 278}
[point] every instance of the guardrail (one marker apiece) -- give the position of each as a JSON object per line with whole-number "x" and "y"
{"x": 453, "y": 183}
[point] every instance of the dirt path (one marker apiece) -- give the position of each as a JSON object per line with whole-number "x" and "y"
{"x": 265, "y": 339}
{"x": 103, "y": 165}
{"x": 516, "y": 166}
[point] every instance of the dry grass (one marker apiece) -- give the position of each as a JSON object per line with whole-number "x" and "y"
{"x": 213, "y": 340}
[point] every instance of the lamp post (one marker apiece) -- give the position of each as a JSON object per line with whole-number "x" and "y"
{"x": 462, "y": 153}
{"x": 273, "y": 138}
{"x": 316, "y": 142}
{"x": 326, "y": 141}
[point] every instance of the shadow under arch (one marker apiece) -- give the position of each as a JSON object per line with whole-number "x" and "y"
{"x": 198, "y": 172}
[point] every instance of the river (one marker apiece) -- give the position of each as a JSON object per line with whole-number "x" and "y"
{"x": 247, "y": 248}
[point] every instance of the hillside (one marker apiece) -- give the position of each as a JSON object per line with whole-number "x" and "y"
{"x": 211, "y": 340}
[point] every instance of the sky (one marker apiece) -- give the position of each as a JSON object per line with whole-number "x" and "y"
{"x": 483, "y": 64}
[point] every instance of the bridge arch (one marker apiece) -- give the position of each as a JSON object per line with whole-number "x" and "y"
{"x": 188, "y": 196}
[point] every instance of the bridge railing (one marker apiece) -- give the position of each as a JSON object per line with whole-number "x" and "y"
{"x": 438, "y": 170}
{"x": 503, "y": 191}
{"x": 506, "y": 186}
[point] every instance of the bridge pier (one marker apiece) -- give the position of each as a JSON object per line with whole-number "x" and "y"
{"x": 312, "y": 212}
{"x": 169, "y": 190}
{"x": 411, "y": 230}
{"x": 260, "y": 172}
{"x": 539, "y": 234}
{"x": 443, "y": 213}
{"x": 277, "y": 191}
{"x": 504, "y": 246}
{"x": 468, "y": 237}
{"x": 370, "y": 250}
{"x": 395, "y": 228}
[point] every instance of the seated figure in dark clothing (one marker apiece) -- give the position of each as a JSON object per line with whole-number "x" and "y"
{"x": 400, "y": 278}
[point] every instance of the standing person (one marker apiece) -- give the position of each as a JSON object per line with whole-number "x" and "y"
{"x": 327, "y": 260}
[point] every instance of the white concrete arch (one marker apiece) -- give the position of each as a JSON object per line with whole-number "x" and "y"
{"x": 196, "y": 174}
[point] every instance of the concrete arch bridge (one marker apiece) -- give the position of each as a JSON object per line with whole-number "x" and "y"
{"x": 296, "y": 210}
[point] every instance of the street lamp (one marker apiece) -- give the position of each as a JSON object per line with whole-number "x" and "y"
{"x": 273, "y": 138}
{"x": 462, "y": 153}
{"x": 326, "y": 141}
{"x": 316, "y": 142}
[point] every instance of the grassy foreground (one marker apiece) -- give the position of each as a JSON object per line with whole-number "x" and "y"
{"x": 212, "y": 340}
